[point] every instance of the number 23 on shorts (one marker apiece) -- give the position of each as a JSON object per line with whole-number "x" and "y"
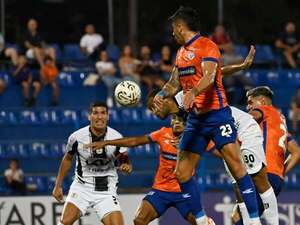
{"x": 226, "y": 130}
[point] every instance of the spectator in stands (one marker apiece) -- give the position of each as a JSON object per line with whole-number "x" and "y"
{"x": 2, "y": 86}
{"x": 35, "y": 45}
{"x": 14, "y": 178}
{"x": 166, "y": 62}
{"x": 147, "y": 69}
{"x": 295, "y": 109}
{"x": 49, "y": 74}
{"x": 23, "y": 75}
{"x": 91, "y": 43}
{"x": 128, "y": 65}
{"x": 289, "y": 42}
{"x": 223, "y": 40}
{"x": 7, "y": 54}
{"x": 107, "y": 71}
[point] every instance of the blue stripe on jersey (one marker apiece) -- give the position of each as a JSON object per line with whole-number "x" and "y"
{"x": 192, "y": 39}
{"x": 265, "y": 134}
{"x": 210, "y": 59}
{"x": 218, "y": 94}
{"x": 290, "y": 138}
{"x": 169, "y": 156}
{"x": 186, "y": 71}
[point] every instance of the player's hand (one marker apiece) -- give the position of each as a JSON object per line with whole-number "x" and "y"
{"x": 250, "y": 57}
{"x": 158, "y": 102}
{"x": 95, "y": 145}
{"x": 126, "y": 168}
{"x": 188, "y": 99}
{"x": 57, "y": 193}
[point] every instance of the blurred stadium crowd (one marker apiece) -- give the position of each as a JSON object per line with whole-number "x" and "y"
{"x": 73, "y": 75}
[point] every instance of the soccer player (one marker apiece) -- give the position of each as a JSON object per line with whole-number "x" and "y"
{"x": 96, "y": 177}
{"x": 252, "y": 152}
{"x": 165, "y": 191}
{"x": 198, "y": 73}
{"x": 274, "y": 129}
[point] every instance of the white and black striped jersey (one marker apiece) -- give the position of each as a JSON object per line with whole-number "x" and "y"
{"x": 95, "y": 167}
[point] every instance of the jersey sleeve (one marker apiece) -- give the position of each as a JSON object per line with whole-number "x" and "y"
{"x": 154, "y": 136}
{"x": 211, "y": 53}
{"x": 72, "y": 145}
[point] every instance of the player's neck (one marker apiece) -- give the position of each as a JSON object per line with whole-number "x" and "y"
{"x": 188, "y": 35}
{"x": 98, "y": 132}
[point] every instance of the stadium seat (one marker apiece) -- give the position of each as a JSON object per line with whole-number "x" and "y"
{"x": 72, "y": 53}
{"x": 57, "y": 150}
{"x": 7, "y": 117}
{"x": 38, "y": 149}
{"x": 69, "y": 117}
{"x": 37, "y": 182}
{"x": 264, "y": 54}
{"x": 241, "y": 50}
{"x": 16, "y": 150}
{"x": 66, "y": 80}
{"x": 28, "y": 117}
{"x": 113, "y": 52}
{"x": 49, "y": 116}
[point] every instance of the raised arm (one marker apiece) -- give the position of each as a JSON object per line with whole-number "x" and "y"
{"x": 294, "y": 156}
{"x": 231, "y": 69}
{"x": 171, "y": 88}
{"x": 122, "y": 142}
{"x": 64, "y": 168}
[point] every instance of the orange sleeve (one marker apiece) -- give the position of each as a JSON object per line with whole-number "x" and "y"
{"x": 154, "y": 136}
{"x": 211, "y": 53}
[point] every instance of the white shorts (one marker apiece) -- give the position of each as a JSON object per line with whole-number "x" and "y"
{"x": 253, "y": 156}
{"x": 84, "y": 197}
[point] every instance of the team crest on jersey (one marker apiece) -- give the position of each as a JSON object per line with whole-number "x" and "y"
{"x": 190, "y": 55}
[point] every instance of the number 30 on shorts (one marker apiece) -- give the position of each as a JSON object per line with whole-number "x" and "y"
{"x": 226, "y": 130}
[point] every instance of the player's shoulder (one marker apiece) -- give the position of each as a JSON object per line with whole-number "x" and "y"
{"x": 113, "y": 133}
{"x": 207, "y": 42}
{"x": 84, "y": 131}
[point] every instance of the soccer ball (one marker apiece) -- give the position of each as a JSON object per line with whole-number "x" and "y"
{"x": 128, "y": 93}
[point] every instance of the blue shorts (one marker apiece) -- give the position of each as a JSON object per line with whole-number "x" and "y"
{"x": 216, "y": 125}
{"x": 162, "y": 200}
{"x": 276, "y": 183}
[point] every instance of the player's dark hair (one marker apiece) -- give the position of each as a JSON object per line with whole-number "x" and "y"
{"x": 261, "y": 91}
{"x": 16, "y": 161}
{"x": 189, "y": 15}
{"x": 97, "y": 104}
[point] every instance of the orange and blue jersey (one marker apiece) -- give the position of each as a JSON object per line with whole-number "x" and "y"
{"x": 275, "y": 135}
{"x": 188, "y": 62}
{"x": 165, "y": 178}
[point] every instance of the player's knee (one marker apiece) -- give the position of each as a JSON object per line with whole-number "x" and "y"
{"x": 139, "y": 221}
{"x": 67, "y": 221}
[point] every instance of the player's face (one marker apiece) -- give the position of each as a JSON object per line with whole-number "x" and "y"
{"x": 177, "y": 32}
{"x": 98, "y": 118}
{"x": 177, "y": 124}
{"x": 254, "y": 102}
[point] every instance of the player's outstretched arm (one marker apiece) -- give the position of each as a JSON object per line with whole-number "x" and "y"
{"x": 122, "y": 142}
{"x": 65, "y": 166}
{"x": 231, "y": 69}
{"x": 294, "y": 157}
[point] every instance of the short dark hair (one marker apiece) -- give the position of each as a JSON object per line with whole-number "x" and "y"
{"x": 189, "y": 15}
{"x": 261, "y": 91}
{"x": 98, "y": 104}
